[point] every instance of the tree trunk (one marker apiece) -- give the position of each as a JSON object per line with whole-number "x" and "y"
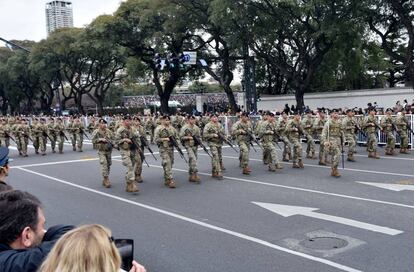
{"x": 164, "y": 98}
{"x": 99, "y": 105}
{"x": 299, "y": 99}
{"x": 230, "y": 97}
{"x": 409, "y": 75}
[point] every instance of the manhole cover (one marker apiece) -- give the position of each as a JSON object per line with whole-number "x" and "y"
{"x": 324, "y": 243}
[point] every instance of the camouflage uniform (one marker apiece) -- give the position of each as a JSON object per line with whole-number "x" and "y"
{"x": 187, "y": 134}
{"x": 38, "y": 135}
{"x": 150, "y": 127}
{"x": 348, "y": 125}
{"x": 318, "y": 127}
{"x": 22, "y": 132}
{"x": 281, "y": 130}
{"x": 307, "y": 124}
{"x": 268, "y": 138}
{"x": 138, "y": 168}
{"x": 59, "y": 131}
{"x": 333, "y": 137}
{"x": 14, "y": 130}
{"x": 402, "y": 126}
{"x": 130, "y": 154}
{"x": 4, "y": 134}
{"x": 387, "y": 123}
{"x": 210, "y": 134}
{"x": 240, "y": 131}
{"x": 166, "y": 151}
{"x": 177, "y": 122}
{"x": 293, "y": 130}
{"x": 103, "y": 138}
{"x": 370, "y": 125}
{"x": 77, "y": 129}
{"x": 52, "y": 134}
{"x": 259, "y": 126}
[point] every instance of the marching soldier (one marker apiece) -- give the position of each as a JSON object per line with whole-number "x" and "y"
{"x": 59, "y": 131}
{"x": 52, "y": 134}
{"x": 318, "y": 127}
{"x": 402, "y": 126}
{"x": 136, "y": 124}
{"x": 371, "y": 125}
{"x": 213, "y": 133}
{"x": 77, "y": 130}
{"x": 333, "y": 138}
{"x": 187, "y": 134}
{"x": 37, "y": 131}
{"x": 388, "y": 124}
{"x": 242, "y": 131}
{"x": 266, "y": 155}
{"x": 4, "y": 133}
{"x": 348, "y": 124}
{"x": 22, "y": 132}
{"x": 281, "y": 130}
{"x": 102, "y": 137}
{"x": 14, "y": 129}
{"x": 92, "y": 126}
{"x": 127, "y": 139}
{"x": 150, "y": 127}
{"x": 294, "y": 130}
{"x": 307, "y": 124}
{"x": 268, "y": 136}
{"x": 162, "y": 137}
{"x": 178, "y": 121}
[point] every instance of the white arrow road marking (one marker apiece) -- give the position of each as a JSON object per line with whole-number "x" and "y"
{"x": 287, "y": 211}
{"x": 388, "y": 186}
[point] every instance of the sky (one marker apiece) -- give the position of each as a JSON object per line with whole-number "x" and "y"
{"x": 26, "y": 19}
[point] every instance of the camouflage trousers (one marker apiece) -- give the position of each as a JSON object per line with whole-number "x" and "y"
{"x": 105, "y": 161}
{"x": 217, "y": 160}
{"x": 244, "y": 153}
{"x": 372, "y": 142}
{"x": 404, "y": 139}
{"x": 167, "y": 157}
{"x": 22, "y": 143}
{"x": 192, "y": 159}
{"x": 60, "y": 141}
{"x": 335, "y": 151}
{"x": 39, "y": 142}
{"x": 53, "y": 140}
{"x": 286, "y": 146}
{"x": 270, "y": 149}
{"x": 77, "y": 141}
{"x": 390, "y": 140}
{"x": 323, "y": 156}
{"x": 131, "y": 159}
{"x": 351, "y": 143}
{"x": 310, "y": 149}
{"x": 297, "y": 149}
{"x": 4, "y": 141}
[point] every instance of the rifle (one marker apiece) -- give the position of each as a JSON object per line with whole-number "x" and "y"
{"x": 9, "y": 136}
{"x": 224, "y": 139}
{"x": 343, "y": 152}
{"x": 64, "y": 135}
{"x": 84, "y": 133}
{"x": 141, "y": 153}
{"x": 359, "y": 129}
{"x": 277, "y": 135}
{"x": 197, "y": 141}
{"x": 177, "y": 147}
{"x": 394, "y": 127}
{"x": 47, "y": 136}
{"x": 144, "y": 143}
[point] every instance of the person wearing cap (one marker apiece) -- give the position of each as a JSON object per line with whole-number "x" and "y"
{"x": 91, "y": 127}
{"x": 333, "y": 138}
{"x": 36, "y": 131}
{"x": 127, "y": 139}
{"x": 388, "y": 124}
{"x": 307, "y": 124}
{"x": 318, "y": 127}
{"x": 22, "y": 136}
{"x": 162, "y": 136}
{"x": 4, "y": 133}
{"x": 242, "y": 131}
{"x": 102, "y": 138}
{"x": 349, "y": 126}
{"x": 150, "y": 127}
{"x": 59, "y": 130}
{"x": 269, "y": 138}
{"x": 4, "y": 168}
{"x": 281, "y": 130}
{"x": 177, "y": 121}
{"x": 371, "y": 125}
{"x": 52, "y": 134}
{"x": 77, "y": 130}
{"x": 15, "y": 130}
{"x": 258, "y": 129}
{"x": 213, "y": 133}
{"x": 187, "y": 134}
{"x": 136, "y": 124}
{"x": 402, "y": 126}
{"x": 294, "y": 130}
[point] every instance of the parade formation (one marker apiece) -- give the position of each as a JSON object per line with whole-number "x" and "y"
{"x": 271, "y": 132}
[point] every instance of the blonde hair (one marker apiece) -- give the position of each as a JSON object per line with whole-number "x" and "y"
{"x": 88, "y": 248}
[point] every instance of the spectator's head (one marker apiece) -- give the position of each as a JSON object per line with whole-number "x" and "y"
{"x": 21, "y": 220}
{"x": 87, "y": 248}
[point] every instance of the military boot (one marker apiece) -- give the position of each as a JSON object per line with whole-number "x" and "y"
{"x": 272, "y": 168}
{"x": 322, "y": 162}
{"x": 370, "y": 154}
{"x": 351, "y": 158}
{"x": 308, "y": 156}
{"x": 171, "y": 183}
{"x": 106, "y": 182}
{"x": 222, "y": 167}
{"x": 295, "y": 165}
{"x": 376, "y": 156}
{"x": 194, "y": 178}
{"x": 138, "y": 179}
{"x": 335, "y": 173}
{"x": 132, "y": 187}
{"x": 74, "y": 148}
{"x": 313, "y": 156}
{"x": 278, "y": 166}
{"x": 300, "y": 164}
{"x": 246, "y": 171}
{"x": 388, "y": 152}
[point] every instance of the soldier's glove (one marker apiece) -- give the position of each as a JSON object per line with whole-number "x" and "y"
{"x": 102, "y": 140}
{"x": 327, "y": 145}
{"x": 270, "y": 132}
{"x": 241, "y": 131}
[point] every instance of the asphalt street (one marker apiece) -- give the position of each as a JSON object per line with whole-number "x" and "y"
{"x": 242, "y": 223}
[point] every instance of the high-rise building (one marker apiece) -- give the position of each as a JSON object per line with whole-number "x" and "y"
{"x": 58, "y": 14}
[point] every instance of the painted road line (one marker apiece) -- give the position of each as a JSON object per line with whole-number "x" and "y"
{"x": 202, "y": 224}
{"x": 388, "y": 186}
{"x": 287, "y": 211}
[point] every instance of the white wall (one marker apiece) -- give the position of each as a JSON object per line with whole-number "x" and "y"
{"x": 384, "y": 97}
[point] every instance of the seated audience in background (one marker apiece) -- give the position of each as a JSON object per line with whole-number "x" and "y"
{"x": 24, "y": 243}
{"x": 89, "y": 248}
{"x": 4, "y": 169}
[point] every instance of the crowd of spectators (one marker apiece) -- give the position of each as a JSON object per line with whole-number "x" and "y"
{"x": 214, "y": 99}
